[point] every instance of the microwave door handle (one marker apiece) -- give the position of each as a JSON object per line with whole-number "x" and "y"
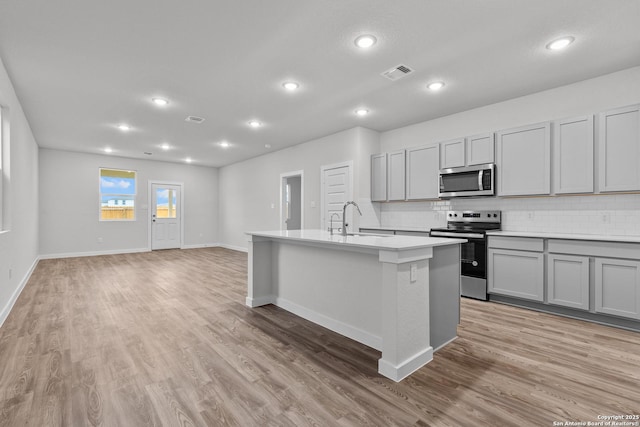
{"x": 480, "y": 180}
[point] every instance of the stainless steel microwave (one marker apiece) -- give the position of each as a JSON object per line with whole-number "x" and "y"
{"x": 478, "y": 180}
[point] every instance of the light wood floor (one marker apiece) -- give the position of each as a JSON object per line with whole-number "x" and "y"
{"x": 164, "y": 338}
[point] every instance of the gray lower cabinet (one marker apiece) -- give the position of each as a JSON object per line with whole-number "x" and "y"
{"x": 516, "y": 273}
{"x": 617, "y": 285}
{"x": 568, "y": 281}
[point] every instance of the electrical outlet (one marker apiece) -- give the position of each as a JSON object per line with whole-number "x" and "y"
{"x": 10, "y": 273}
{"x": 100, "y": 240}
{"x": 530, "y": 216}
{"x": 606, "y": 218}
{"x": 313, "y": 204}
{"x": 414, "y": 272}
{"x": 273, "y": 205}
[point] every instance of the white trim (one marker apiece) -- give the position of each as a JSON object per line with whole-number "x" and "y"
{"x": 234, "y": 248}
{"x": 182, "y": 208}
{"x": 16, "y": 294}
{"x": 93, "y": 253}
{"x": 283, "y": 177}
{"x": 334, "y": 325}
{"x": 406, "y": 368}
{"x": 323, "y": 168}
{"x": 200, "y": 246}
{"x": 257, "y": 302}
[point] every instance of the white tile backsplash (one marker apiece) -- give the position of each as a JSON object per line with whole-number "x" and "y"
{"x": 589, "y": 214}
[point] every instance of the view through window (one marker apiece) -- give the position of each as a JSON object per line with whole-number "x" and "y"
{"x": 117, "y": 195}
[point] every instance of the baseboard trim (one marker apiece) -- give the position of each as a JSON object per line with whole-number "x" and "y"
{"x": 341, "y": 328}
{"x": 233, "y": 248}
{"x": 257, "y": 302}
{"x": 16, "y": 294}
{"x": 200, "y": 246}
{"x": 94, "y": 253}
{"x": 406, "y": 368}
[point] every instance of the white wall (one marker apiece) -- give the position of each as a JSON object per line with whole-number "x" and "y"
{"x": 602, "y": 214}
{"x": 19, "y": 240}
{"x": 249, "y": 189}
{"x": 69, "y": 204}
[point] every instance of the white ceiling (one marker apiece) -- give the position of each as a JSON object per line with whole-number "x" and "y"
{"x": 82, "y": 67}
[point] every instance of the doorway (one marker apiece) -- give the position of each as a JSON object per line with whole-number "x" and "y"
{"x": 165, "y": 215}
{"x": 291, "y": 201}
{"x": 337, "y": 189}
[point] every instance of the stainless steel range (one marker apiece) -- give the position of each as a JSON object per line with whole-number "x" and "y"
{"x": 471, "y": 225}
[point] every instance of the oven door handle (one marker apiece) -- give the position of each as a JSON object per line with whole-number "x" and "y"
{"x": 458, "y": 235}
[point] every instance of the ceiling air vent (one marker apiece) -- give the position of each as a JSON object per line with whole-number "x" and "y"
{"x": 397, "y": 72}
{"x": 194, "y": 119}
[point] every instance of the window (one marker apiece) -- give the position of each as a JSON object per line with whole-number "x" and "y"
{"x": 117, "y": 195}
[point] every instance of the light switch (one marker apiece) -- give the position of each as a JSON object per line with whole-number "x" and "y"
{"x": 414, "y": 272}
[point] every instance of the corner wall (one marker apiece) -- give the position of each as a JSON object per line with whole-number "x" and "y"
{"x": 19, "y": 238}
{"x": 69, "y": 204}
{"x": 250, "y": 190}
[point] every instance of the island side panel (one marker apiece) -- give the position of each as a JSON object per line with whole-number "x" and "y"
{"x": 334, "y": 286}
{"x": 406, "y": 321}
{"x": 259, "y": 275}
{"x": 444, "y": 292}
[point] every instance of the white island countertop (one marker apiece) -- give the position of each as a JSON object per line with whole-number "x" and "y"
{"x": 387, "y": 242}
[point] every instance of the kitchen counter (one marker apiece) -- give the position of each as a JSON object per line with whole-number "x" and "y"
{"x": 410, "y": 229}
{"x": 397, "y": 294}
{"x": 366, "y": 241}
{"x": 566, "y": 236}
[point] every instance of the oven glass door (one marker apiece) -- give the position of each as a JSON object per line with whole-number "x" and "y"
{"x": 473, "y": 258}
{"x": 459, "y": 182}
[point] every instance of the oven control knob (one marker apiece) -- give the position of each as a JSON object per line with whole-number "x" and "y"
{"x": 495, "y": 215}
{"x": 450, "y": 215}
{"x": 456, "y": 215}
{"x": 474, "y": 263}
{"x": 488, "y": 215}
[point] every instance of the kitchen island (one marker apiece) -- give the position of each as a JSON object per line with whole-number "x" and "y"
{"x": 397, "y": 294}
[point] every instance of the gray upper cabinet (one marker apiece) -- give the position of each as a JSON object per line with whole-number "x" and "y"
{"x": 396, "y": 175}
{"x": 573, "y": 155}
{"x": 473, "y": 150}
{"x": 379, "y": 177}
{"x": 524, "y": 160}
{"x": 619, "y": 149}
{"x": 480, "y": 149}
{"x": 423, "y": 167}
{"x": 452, "y": 153}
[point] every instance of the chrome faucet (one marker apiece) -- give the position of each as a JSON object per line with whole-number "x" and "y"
{"x": 331, "y": 226}
{"x": 344, "y": 216}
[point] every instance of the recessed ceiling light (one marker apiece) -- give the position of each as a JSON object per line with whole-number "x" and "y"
{"x": 165, "y": 146}
{"x": 290, "y": 86}
{"x": 255, "y": 123}
{"x": 435, "y": 85}
{"x": 560, "y": 43}
{"x": 362, "y": 112}
{"x": 160, "y": 101}
{"x": 188, "y": 160}
{"x": 108, "y": 150}
{"x": 365, "y": 41}
{"x": 124, "y": 128}
{"x": 267, "y": 145}
{"x": 224, "y": 144}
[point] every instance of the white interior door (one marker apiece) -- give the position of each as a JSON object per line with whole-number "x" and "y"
{"x": 336, "y": 191}
{"x": 165, "y": 216}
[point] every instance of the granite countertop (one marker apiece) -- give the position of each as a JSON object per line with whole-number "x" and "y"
{"x": 566, "y": 236}
{"x": 376, "y": 227}
{"x": 370, "y": 241}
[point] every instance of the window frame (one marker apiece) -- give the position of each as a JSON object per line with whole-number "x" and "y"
{"x": 101, "y": 194}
